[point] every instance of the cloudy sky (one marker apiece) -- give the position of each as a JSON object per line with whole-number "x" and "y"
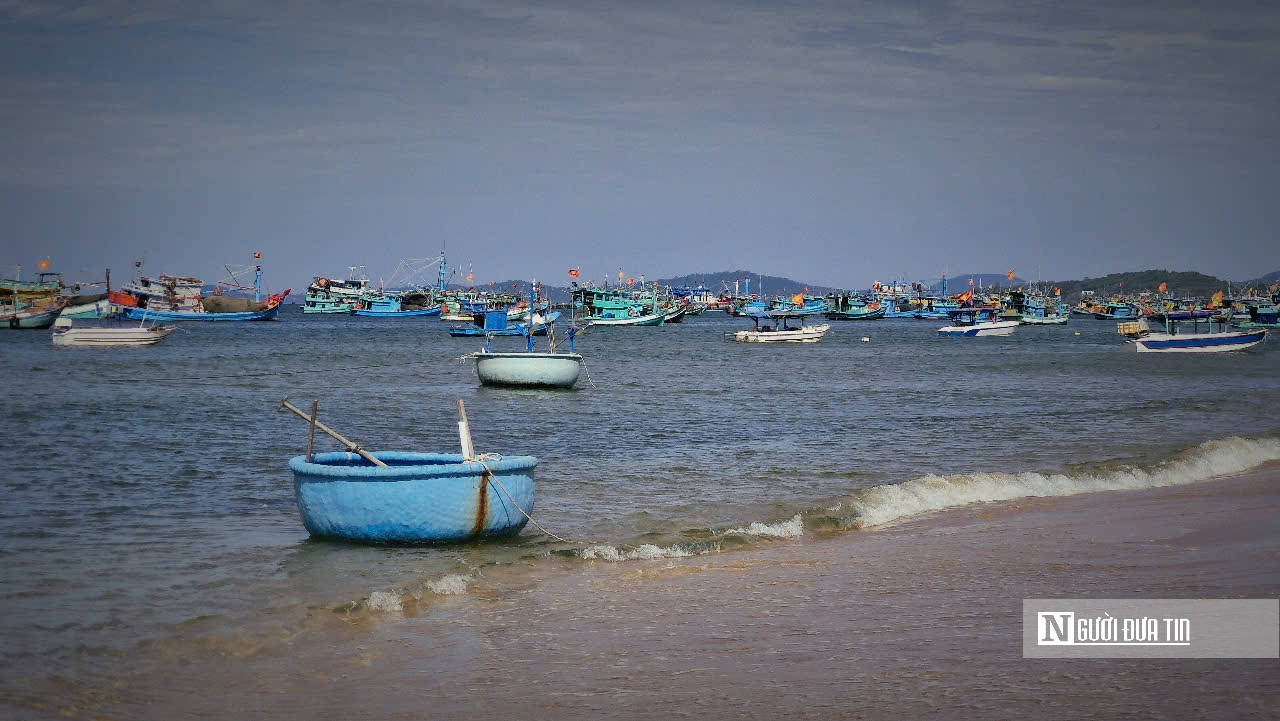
{"x": 835, "y": 143}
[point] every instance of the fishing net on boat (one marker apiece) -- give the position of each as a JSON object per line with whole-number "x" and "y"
{"x": 223, "y": 304}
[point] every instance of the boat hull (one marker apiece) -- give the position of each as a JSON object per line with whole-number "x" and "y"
{"x": 417, "y": 498}
{"x": 85, "y": 337}
{"x": 31, "y": 318}
{"x": 89, "y": 311}
{"x": 999, "y": 327}
{"x": 162, "y": 315}
{"x": 807, "y": 334}
{"x": 646, "y": 320}
{"x": 1200, "y": 342}
{"x": 396, "y": 313}
{"x": 1043, "y": 320}
{"x": 869, "y": 315}
{"x": 528, "y": 370}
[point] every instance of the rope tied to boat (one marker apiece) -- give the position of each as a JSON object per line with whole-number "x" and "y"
{"x": 489, "y": 476}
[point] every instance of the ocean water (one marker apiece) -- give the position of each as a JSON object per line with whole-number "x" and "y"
{"x": 149, "y": 516}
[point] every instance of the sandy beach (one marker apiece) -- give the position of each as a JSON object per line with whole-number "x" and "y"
{"x": 920, "y": 619}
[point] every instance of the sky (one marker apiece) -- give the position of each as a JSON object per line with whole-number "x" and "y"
{"x": 833, "y": 143}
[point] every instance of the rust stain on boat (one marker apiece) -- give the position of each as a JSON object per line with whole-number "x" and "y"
{"x": 482, "y": 505}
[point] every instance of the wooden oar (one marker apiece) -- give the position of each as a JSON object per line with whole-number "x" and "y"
{"x": 350, "y": 446}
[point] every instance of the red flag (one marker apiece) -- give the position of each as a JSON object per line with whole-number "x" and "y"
{"x": 966, "y": 296}
{"x": 43, "y": 265}
{"x": 257, "y": 255}
{"x": 573, "y": 273}
{"x": 1164, "y": 287}
{"x": 1009, "y": 275}
{"x": 631, "y": 281}
{"x": 470, "y": 277}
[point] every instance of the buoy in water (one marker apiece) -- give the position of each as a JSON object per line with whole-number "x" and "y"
{"x": 864, "y": 339}
{"x": 1077, "y": 333}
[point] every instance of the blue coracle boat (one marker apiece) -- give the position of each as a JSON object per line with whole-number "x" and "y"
{"x": 416, "y": 498}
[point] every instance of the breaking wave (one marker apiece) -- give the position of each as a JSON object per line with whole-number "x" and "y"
{"x": 884, "y": 504}
{"x": 782, "y": 529}
{"x": 644, "y": 552}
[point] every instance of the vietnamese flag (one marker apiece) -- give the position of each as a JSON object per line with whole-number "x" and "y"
{"x": 573, "y": 272}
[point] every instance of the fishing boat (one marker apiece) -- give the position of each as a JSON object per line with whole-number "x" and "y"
{"x": 527, "y": 369}
{"x": 976, "y": 322}
{"x": 31, "y": 305}
{"x": 334, "y": 295}
{"x": 540, "y": 325}
{"x": 1118, "y": 310}
{"x": 408, "y": 497}
{"x": 1262, "y": 314}
{"x": 179, "y": 298}
{"x": 67, "y": 332}
{"x": 1205, "y": 335}
{"x": 609, "y": 307}
{"x": 392, "y": 305}
{"x": 30, "y": 318}
{"x": 846, "y": 306}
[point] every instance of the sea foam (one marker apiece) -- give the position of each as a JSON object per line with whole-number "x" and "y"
{"x": 644, "y": 552}
{"x": 883, "y": 504}
{"x": 791, "y": 528}
{"x": 452, "y": 585}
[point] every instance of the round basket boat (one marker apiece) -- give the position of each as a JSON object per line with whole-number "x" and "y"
{"x": 416, "y": 498}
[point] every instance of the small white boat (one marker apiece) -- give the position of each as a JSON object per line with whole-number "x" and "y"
{"x": 974, "y": 322}
{"x": 769, "y": 334}
{"x": 65, "y": 333}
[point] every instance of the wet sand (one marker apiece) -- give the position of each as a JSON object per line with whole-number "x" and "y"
{"x": 921, "y": 619}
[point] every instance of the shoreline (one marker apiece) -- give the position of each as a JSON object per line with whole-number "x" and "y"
{"x": 919, "y": 618}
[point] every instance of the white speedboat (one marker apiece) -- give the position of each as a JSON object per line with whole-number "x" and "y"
{"x": 769, "y": 334}
{"x": 66, "y": 333}
{"x": 971, "y": 322}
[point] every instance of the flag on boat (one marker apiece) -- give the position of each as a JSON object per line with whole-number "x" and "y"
{"x": 966, "y": 296}
{"x": 1057, "y": 291}
{"x": 43, "y": 265}
{"x": 1216, "y": 302}
{"x": 573, "y": 273}
{"x": 798, "y": 299}
{"x": 631, "y": 281}
{"x": 257, "y": 255}
{"x": 1164, "y": 287}
{"x": 1009, "y": 275}
{"x": 470, "y": 277}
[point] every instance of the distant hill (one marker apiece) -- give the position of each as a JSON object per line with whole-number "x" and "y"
{"x": 771, "y": 284}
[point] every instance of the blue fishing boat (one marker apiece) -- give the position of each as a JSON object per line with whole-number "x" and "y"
{"x": 540, "y": 326}
{"x": 391, "y": 305}
{"x": 178, "y": 298}
{"x": 1262, "y": 314}
{"x": 847, "y": 306}
{"x": 1118, "y": 310}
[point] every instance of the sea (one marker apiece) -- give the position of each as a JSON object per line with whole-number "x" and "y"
{"x": 149, "y": 516}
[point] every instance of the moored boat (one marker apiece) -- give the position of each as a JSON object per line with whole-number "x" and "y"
{"x": 1216, "y": 336}
{"x": 179, "y": 298}
{"x": 527, "y": 369}
{"x": 68, "y": 333}
{"x": 414, "y": 498}
{"x": 31, "y": 318}
{"x": 976, "y": 322}
{"x": 772, "y": 327}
